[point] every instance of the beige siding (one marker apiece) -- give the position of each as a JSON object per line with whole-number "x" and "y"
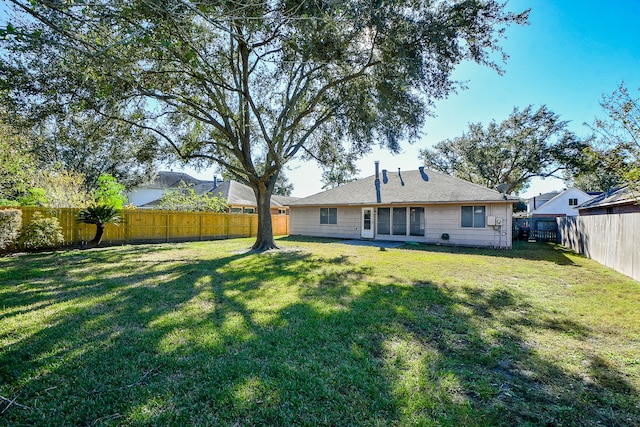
{"x": 305, "y": 221}
{"x": 439, "y": 219}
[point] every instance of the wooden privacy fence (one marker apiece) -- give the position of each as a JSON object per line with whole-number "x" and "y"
{"x": 612, "y": 240}
{"x": 142, "y": 225}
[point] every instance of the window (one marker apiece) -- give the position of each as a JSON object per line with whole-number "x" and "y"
{"x": 384, "y": 219}
{"x": 236, "y": 210}
{"x": 573, "y": 202}
{"x": 328, "y": 215}
{"x": 282, "y": 211}
{"x": 473, "y": 216}
{"x": 416, "y": 221}
{"x": 400, "y": 221}
{"x": 249, "y": 210}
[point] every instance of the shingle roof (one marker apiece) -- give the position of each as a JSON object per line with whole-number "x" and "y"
{"x": 165, "y": 179}
{"x": 405, "y": 187}
{"x": 234, "y": 192}
{"x": 618, "y": 196}
{"x": 237, "y": 193}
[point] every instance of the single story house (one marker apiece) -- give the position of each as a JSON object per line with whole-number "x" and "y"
{"x": 620, "y": 200}
{"x": 560, "y": 204}
{"x": 239, "y": 197}
{"x": 417, "y": 205}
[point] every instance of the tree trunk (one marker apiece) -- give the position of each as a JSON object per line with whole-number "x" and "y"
{"x": 97, "y": 239}
{"x": 264, "y": 239}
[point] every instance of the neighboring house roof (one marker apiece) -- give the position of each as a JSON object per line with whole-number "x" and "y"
{"x": 283, "y": 200}
{"x": 619, "y": 196}
{"x": 402, "y": 187}
{"x": 236, "y": 193}
{"x": 165, "y": 180}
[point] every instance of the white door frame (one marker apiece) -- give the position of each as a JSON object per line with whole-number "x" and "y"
{"x": 367, "y": 224}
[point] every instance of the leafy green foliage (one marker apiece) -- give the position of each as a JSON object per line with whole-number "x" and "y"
{"x": 17, "y": 163}
{"x": 99, "y": 214}
{"x": 10, "y": 224}
{"x": 41, "y": 233}
{"x": 33, "y": 197}
{"x": 238, "y": 82}
{"x": 614, "y": 156}
{"x": 95, "y": 143}
{"x": 62, "y": 189}
{"x": 185, "y": 198}
{"x": 528, "y": 144}
{"x": 110, "y": 192}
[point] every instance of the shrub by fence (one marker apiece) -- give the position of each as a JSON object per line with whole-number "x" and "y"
{"x": 141, "y": 225}
{"x": 10, "y": 224}
{"x": 612, "y": 240}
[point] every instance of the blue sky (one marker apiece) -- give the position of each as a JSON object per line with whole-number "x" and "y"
{"x": 571, "y": 53}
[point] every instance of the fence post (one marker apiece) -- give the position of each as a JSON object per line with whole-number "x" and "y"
{"x": 166, "y": 234}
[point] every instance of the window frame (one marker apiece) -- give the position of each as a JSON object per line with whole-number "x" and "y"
{"x": 330, "y": 217}
{"x": 474, "y": 224}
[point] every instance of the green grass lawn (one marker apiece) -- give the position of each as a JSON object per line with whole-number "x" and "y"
{"x": 319, "y": 333}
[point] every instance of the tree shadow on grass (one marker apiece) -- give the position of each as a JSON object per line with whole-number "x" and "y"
{"x": 291, "y": 338}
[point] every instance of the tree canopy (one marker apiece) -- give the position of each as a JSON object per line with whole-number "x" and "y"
{"x": 234, "y": 82}
{"x": 613, "y": 158}
{"x": 530, "y": 143}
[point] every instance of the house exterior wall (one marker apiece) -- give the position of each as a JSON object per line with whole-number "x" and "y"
{"x": 305, "y": 221}
{"x": 536, "y": 202}
{"x": 439, "y": 219}
{"x": 559, "y": 205}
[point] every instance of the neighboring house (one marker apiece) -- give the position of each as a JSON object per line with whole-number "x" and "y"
{"x": 621, "y": 200}
{"x": 563, "y": 203}
{"x": 239, "y": 197}
{"x": 418, "y": 205}
{"x": 536, "y": 202}
{"x": 154, "y": 190}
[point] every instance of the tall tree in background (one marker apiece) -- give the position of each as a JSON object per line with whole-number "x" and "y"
{"x": 17, "y": 164}
{"x": 233, "y": 82}
{"x": 614, "y": 155}
{"x": 95, "y": 144}
{"x": 528, "y": 144}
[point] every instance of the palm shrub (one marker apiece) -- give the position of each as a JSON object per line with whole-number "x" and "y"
{"x": 100, "y": 215}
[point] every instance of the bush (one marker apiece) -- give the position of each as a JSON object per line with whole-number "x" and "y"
{"x": 41, "y": 233}
{"x": 10, "y": 223}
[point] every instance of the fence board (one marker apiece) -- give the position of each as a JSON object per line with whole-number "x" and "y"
{"x": 612, "y": 239}
{"x": 142, "y": 225}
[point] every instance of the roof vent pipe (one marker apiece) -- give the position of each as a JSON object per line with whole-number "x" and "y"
{"x": 400, "y": 176}
{"x": 377, "y": 182}
{"x": 423, "y": 173}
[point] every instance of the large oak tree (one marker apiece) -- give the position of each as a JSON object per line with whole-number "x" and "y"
{"x": 251, "y": 84}
{"x": 529, "y": 143}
